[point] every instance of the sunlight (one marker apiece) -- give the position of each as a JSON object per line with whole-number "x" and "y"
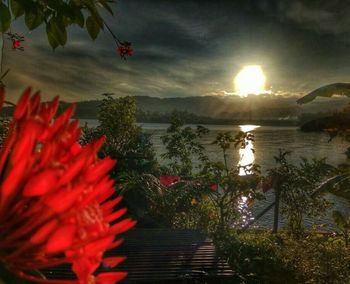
{"x": 246, "y": 155}
{"x": 248, "y": 127}
{"x": 250, "y": 80}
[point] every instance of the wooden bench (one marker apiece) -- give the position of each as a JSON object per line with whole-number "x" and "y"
{"x": 165, "y": 256}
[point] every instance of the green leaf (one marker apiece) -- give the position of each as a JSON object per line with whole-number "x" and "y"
{"x": 5, "y": 17}
{"x": 79, "y": 18}
{"x": 56, "y": 33}
{"x": 104, "y": 3}
{"x": 327, "y": 91}
{"x": 92, "y": 27}
{"x": 16, "y": 8}
{"x": 34, "y": 19}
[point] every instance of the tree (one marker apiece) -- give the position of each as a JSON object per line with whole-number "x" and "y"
{"x": 182, "y": 144}
{"x": 336, "y": 125}
{"x": 295, "y": 187}
{"x": 125, "y": 141}
{"x": 57, "y": 16}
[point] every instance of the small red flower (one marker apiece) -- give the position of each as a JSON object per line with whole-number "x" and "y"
{"x": 56, "y": 202}
{"x": 214, "y": 187}
{"x": 169, "y": 180}
{"x": 124, "y": 49}
{"x": 16, "y": 44}
{"x": 16, "y": 40}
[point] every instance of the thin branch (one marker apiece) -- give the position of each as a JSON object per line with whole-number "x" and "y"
{"x": 117, "y": 41}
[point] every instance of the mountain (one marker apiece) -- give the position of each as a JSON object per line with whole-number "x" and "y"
{"x": 219, "y": 109}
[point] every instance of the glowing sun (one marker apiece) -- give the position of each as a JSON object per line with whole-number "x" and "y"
{"x": 250, "y": 80}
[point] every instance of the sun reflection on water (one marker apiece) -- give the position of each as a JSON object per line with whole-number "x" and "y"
{"x": 246, "y": 161}
{"x": 246, "y": 155}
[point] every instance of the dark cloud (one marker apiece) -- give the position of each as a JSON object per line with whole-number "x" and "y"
{"x": 190, "y": 48}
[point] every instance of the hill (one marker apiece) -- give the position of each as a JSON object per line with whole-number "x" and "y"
{"x": 269, "y": 109}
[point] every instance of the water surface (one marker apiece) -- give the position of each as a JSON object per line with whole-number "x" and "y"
{"x": 268, "y": 139}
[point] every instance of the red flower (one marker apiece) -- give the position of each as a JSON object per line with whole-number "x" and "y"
{"x": 214, "y": 187}
{"x": 55, "y": 196}
{"x": 16, "y": 44}
{"x": 124, "y": 49}
{"x": 169, "y": 180}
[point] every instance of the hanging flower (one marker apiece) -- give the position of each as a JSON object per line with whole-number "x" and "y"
{"x": 16, "y": 44}
{"x": 16, "y": 40}
{"x": 124, "y": 49}
{"x": 56, "y": 203}
{"x": 167, "y": 181}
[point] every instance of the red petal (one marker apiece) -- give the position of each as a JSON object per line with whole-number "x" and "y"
{"x": 61, "y": 239}
{"x": 103, "y": 186}
{"x": 62, "y": 120}
{"x": 96, "y": 172}
{"x": 22, "y": 105}
{"x": 116, "y": 243}
{"x": 34, "y": 103}
{"x": 41, "y": 183}
{"x": 23, "y": 148}
{"x": 106, "y": 194}
{"x": 110, "y": 204}
{"x": 73, "y": 170}
{"x": 52, "y": 109}
{"x": 63, "y": 199}
{"x": 42, "y": 234}
{"x": 114, "y": 216}
{"x": 110, "y": 277}
{"x": 47, "y": 153}
{"x": 97, "y": 144}
{"x": 75, "y": 149}
{"x": 9, "y": 187}
{"x": 122, "y": 226}
{"x": 113, "y": 261}
{"x": 83, "y": 268}
{"x": 98, "y": 246}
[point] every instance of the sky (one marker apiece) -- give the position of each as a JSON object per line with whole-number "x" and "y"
{"x": 190, "y": 48}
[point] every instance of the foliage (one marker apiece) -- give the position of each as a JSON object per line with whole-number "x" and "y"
{"x": 232, "y": 186}
{"x": 125, "y": 141}
{"x": 209, "y": 198}
{"x": 336, "y": 125}
{"x": 262, "y": 257}
{"x": 297, "y": 185}
{"x": 56, "y": 15}
{"x": 343, "y": 225}
{"x": 182, "y": 146}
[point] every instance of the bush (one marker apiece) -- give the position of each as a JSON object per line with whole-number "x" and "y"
{"x": 296, "y": 185}
{"x": 262, "y": 257}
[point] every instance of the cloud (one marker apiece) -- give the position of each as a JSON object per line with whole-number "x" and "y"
{"x": 322, "y": 16}
{"x": 190, "y": 48}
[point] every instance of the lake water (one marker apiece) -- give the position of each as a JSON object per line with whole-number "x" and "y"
{"x": 268, "y": 139}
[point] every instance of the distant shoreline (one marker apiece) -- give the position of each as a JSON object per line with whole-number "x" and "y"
{"x": 218, "y": 122}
